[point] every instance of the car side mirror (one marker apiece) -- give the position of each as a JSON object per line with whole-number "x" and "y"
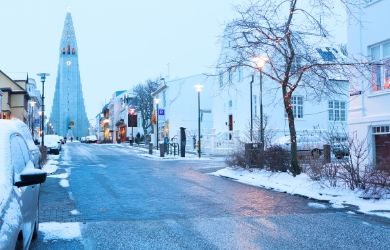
{"x": 31, "y": 177}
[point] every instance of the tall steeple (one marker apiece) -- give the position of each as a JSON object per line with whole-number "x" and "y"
{"x": 68, "y": 116}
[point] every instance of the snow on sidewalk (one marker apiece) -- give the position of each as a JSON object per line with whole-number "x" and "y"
{"x": 303, "y": 185}
{"x": 57, "y": 231}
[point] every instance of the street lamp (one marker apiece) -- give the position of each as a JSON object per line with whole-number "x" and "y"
{"x": 260, "y": 62}
{"x": 198, "y": 88}
{"x": 31, "y": 118}
{"x": 43, "y": 79}
{"x": 132, "y": 111}
{"x": 156, "y": 101}
{"x": 251, "y": 103}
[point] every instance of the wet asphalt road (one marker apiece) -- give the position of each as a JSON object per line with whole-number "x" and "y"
{"x": 125, "y": 201}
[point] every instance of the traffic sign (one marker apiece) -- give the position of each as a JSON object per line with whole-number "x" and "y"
{"x": 161, "y": 111}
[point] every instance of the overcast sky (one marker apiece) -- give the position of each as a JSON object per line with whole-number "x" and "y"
{"x": 121, "y": 42}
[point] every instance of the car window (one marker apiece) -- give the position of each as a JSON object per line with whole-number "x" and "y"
{"x": 24, "y": 149}
{"x": 17, "y": 158}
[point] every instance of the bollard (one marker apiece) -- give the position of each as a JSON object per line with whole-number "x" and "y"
{"x": 150, "y": 148}
{"x": 161, "y": 150}
{"x": 326, "y": 153}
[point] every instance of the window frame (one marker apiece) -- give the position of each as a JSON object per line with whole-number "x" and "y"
{"x": 380, "y": 66}
{"x": 337, "y": 111}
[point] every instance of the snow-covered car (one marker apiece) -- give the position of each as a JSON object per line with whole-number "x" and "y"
{"x": 53, "y": 144}
{"x": 91, "y": 139}
{"x": 19, "y": 189}
{"x": 32, "y": 147}
{"x": 312, "y": 143}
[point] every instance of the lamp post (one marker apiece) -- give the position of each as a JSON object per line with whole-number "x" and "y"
{"x": 198, "y": 88}
{"x": 157, "y": 101}
{"x": 260, "y": 62}
{"x": 43, "y": 79}
{"x": 31, "y": 118}
{"x": 132, "y": 111}
{"x": 251, "y": 96}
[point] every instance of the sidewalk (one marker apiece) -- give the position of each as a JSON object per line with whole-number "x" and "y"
{"x": 189, "y": 155}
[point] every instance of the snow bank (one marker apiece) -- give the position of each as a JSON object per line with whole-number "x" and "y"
{"x": 57, "y": 231}
{"x": 303, "y": 185}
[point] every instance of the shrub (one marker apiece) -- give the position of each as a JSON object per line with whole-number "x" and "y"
{"x": 277, "y": 159}
{"x": 237, "y": 158}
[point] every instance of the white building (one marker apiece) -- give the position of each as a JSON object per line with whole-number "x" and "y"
{"x": 1, "y": 101}
{"x": 112, "y": 122}
{"x": 34, "y": 106}
{"x": 369, "y": 119}
{"x": 232, "y": 110}
{"x": 178, "y": 105}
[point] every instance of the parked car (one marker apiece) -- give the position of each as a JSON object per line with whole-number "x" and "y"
{"x": 340, "y": 149}
{"x": 32, "y": 146}
{"x": 53, "y": 144}
{"x": 19, "y": 189}
{"x": 91, "y": 139}
{"x": 312, "y": 143}
{"x": 62, "y": 140}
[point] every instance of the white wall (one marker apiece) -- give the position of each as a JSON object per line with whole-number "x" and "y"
{"x": 315, "y": 113}
{"x": 370, "y": 108}
{"x": 181, "y": 105}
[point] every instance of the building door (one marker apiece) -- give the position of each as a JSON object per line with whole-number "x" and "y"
{"x": 230, "y": 126}
{"x": 382, "y": 149}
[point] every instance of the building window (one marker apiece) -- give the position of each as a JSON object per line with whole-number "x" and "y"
{"x": 381, "y": 130}
{"x": 230, "y": 75}
{"x": 164, "y": 99}
{"x": 220, "y": 80}
{"x": 254, "y": 106}
{"x": 337, "y": 111}
{"x": 239, "y": 74}
{"x": 380, "y": 69}
{"x": 297, "y": 105}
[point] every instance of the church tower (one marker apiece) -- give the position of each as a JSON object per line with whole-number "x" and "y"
{"x": 68, "y": 116}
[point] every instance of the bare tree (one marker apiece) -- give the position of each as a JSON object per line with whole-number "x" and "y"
{"x": 144, "y": 100}
{"x": 288, "y": 35}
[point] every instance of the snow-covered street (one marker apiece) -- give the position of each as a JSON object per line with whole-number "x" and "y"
{"x": 147, "y": 202}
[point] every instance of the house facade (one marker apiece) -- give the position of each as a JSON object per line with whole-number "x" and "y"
{"x": 237, "y": 102}
{"x": 34, "y": 107}
{"x": 369, "y": 118}
{"x": 178, "y": 107}
{"x": 15, "y": 98}
{"x": 112, "y": 124}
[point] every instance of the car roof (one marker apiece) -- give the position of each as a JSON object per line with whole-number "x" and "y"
{"x": 8, "y": 127}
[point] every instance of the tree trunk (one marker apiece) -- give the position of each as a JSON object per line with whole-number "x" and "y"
{"x": 295, "y": 168}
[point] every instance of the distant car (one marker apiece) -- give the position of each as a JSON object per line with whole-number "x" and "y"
{"x": 53, "y": 144}
{"x": 91, "y": 139}
{"x": 340, "y": 149}
{"x": 312, "y": 143}
{"x": 19, "y": 189}
{"x": 32, "y": 147}
{"x": 83, "y": 139}
{"x": 62, "y": 140}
